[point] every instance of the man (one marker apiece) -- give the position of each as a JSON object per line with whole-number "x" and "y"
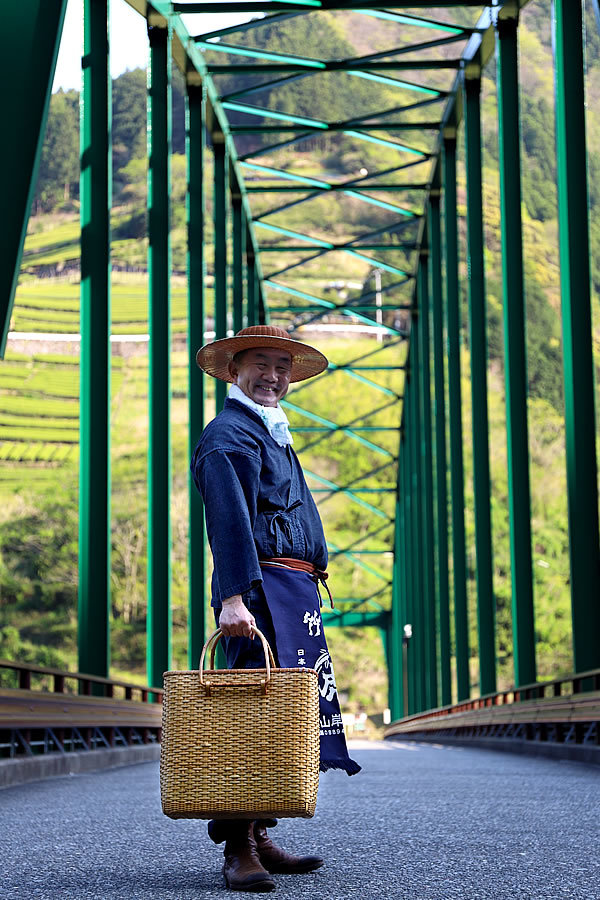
{"x": 269, "y": 554}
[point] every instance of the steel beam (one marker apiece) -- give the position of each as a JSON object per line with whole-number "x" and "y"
{"x": 30, "y": 49}
{"x": 419, "y": 596}
{"x": 195, "y": 147}
{"x": 478, "y": 351}
{"x": 426, "y": 467}
{"x": 395, "y": 674}
{"x": 354, "y": 619}
{"x": 220, "y": 283}
{"x": 159, "y": 270}
{"x": 93, "y": 634}
{"x": 515, "y": 358}
{"x": 441, "y": 474}
{"x": 263, "y": 6}
{"x": 252, "y": 283}
{"x": 578, "y": 362}
{"x": 459, "y": 564}
{"x": 239, "y": 234}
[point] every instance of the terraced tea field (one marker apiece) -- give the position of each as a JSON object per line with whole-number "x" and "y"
{"x": 39, "y": 391}
{"x": 48, "y": 306}
{"x": 39, "y": 416}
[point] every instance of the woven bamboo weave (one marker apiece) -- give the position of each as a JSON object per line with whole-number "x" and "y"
{"x": 240, "y": 743}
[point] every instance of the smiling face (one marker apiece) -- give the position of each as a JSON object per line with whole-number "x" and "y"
{"x": 263, "y": 374}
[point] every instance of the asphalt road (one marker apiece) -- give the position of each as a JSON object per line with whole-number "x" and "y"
{"x": 420, "y": 822}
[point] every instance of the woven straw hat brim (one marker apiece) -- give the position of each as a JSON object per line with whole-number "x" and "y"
{"x": 214, "y": 358}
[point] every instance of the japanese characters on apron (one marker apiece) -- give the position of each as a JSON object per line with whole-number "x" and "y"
{"x": 294, "y": 603}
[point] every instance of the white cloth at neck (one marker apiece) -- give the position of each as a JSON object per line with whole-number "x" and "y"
{"x": 274, "y": 417}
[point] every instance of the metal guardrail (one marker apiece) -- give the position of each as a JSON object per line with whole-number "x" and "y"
{"x": 50, "y": 710}
{"x": 564, "y": 710}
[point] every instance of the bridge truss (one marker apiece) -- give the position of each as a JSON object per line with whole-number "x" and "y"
{"x": 409, "y": 500}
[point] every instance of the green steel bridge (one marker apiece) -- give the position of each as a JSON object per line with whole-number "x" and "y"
{"x": 262, "y": 273}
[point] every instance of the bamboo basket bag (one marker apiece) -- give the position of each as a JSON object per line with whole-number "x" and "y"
{"x": 240, "y": 743}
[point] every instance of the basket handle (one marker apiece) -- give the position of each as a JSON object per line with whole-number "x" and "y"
{"x": 214, "y": 639}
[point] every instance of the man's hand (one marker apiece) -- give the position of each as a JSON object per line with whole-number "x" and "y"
{"x": 236, "y": 620}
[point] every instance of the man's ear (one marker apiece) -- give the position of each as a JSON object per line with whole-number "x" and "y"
{"x": 233, "y": 370}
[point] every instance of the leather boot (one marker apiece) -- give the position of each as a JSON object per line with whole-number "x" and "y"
{"x": 274, "y": 859}
{"x": 243, "y": 870}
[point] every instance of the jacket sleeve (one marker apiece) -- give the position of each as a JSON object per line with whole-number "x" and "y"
{"x": 228, "y": 481}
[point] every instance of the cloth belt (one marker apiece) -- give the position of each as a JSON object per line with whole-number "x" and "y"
{"x": 317, "y": 575}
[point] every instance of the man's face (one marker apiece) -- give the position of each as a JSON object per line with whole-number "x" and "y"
{"x": 263, "y": 374}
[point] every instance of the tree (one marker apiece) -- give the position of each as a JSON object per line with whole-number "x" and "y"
{"x": 129, "y": 118}
{"x": 59, "y": 165}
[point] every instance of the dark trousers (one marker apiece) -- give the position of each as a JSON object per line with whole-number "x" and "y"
{"x": 244, "y": 653}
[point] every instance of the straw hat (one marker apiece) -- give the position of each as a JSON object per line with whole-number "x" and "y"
{"x": 214, "y": 358}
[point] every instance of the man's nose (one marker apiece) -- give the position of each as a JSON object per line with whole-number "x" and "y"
{"x": 270, "y": 374}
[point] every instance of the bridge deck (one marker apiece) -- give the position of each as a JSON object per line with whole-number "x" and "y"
{"x": 420, "y": 821}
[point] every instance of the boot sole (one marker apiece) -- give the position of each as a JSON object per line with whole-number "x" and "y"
{"x": 258, "y": 887}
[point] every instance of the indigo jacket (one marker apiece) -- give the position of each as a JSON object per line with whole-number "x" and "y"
{"x": 257, "y": 502}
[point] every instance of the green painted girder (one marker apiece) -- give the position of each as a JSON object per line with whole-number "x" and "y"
{"x": 326, "y": 303}
{"x": 359, "y": 490}
{"x": 350, "y": 364}
{"x": 351, "y": 370}
{"x": 29, "y": 55}
{"x": 285, "y": 176}
{"x": 296, "y": 248}
{"x": 319, "y": 440}
{"x": 369, "y": 474}
{"x": 316, "y": 124}
{"x": 436, "y": 93}
{"x": 457, "y": 31}
{"x": 352, "y": 619}
{"x": 332, "y": 426}
{"x": 191, "y": 58}
{"x": 230, "y": 6}
{"x": 326, "y": 245}
{"x": 273, "y": 114}
{"x": 261, "y": 151}
{"x": 404, "y": 19}
{"x": 354, "y": 604}
{"x": 352, "y": 496}
{"x": 290, "y": 189}
{"x": 350, "y": 555}
{"x": 363, "y": 297}
{"x": 367, "y": 537}
{"x": 388, "y": 229}
{"x": 247, "y": 26}
{"x": 300, "y": 309}
{"x": 371, "y": 368}
{"x": 378, "y": 552}
{"x": 355, "y": 243}
{"x": 286, "y": 63}
{"x": 364, "y": 198}
{"x": 411, "y": 48}
{"x": 324, "y": 428}
{"x": 334, "y": 65}
{"x": 335, "y": 126}
{"x": 94, "y": 538}
{"x": 376, "y": 264}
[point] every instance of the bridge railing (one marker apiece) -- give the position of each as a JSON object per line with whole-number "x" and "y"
{"x": 564, "y": 710}
{"x": 49, "y": 710}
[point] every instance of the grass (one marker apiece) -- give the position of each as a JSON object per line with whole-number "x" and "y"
{"x": 49, "y": 306}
